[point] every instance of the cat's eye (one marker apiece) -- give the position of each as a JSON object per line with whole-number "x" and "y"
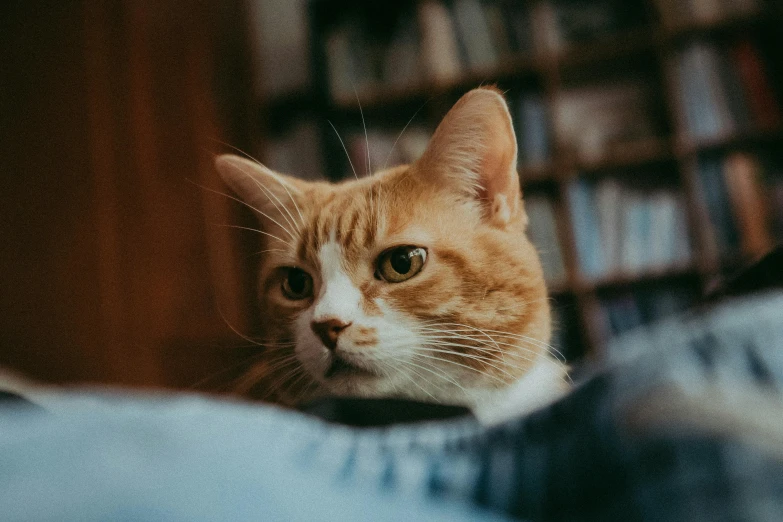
{"x": 297, "y": 284}
{"x": 400, "y": 263}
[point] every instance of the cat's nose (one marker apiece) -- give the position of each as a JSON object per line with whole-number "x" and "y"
{"x": 329, "y": 330}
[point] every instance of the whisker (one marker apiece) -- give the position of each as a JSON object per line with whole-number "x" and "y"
{"x": 471, "y": 368}
{"x": 531, "y": 340}
{"x": 484, "y": 349}
{"x": 245, "y": 204}
{"x": 257, "y": 162}
{"x": 254, "y": 230}
{"x": 388, "y": 156}
{"x": 483, "y": 360}
{"x": 225, "y": 370}
{"x": 368, "y": 167}
{"x": 417, "y": 384}
{"x": 289, "y": 218}
{"x": 441, "y": 374}
{"x": 345, "y": 149}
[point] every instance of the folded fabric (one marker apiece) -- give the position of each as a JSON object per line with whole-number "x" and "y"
{"x": 684, "y": 423}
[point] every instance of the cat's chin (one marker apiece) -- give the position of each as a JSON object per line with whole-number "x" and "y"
{"x": 355, "y": 385}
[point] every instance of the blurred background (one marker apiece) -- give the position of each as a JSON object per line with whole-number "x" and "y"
{"x": 649, "y": 132}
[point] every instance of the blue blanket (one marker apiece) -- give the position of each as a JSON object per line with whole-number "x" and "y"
{"x": 684, "y": 423}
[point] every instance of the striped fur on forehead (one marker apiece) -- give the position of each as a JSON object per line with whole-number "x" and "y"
{"x": 351, "y": 216}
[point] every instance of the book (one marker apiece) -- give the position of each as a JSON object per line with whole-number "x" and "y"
{"x": 762, "y": 103}
{"x": 677, "y": 13}
{"x": 636, "y": 232}
{"x": 748, "y": 203}
{"x": 715, "y": 94}
{"x": 518, "y": 19}
{"x": 547, "y": 38}
{"x": 608, "y": 199}
{"x": 280, "y": 32}
{"x": 402, "y": 65}
{"x": 579, "y": 22}
{"x": 703, "y": 100}
{"x": 341, "y": 68}
{"x": 661, "y": 245}
{"x": 706, "y": 12}
{"x": 533, "y": 130}
{"x": 542, "y": 230}
{"x": 714, "y": 193}
{"x": 594, "y": 120}
{"x": 439, "y": 47}
{"x": 474, "y": 34}
{"x": 498, "y": 30}
{"x": 586, "y": 228}
{"x": 682, "y": 240}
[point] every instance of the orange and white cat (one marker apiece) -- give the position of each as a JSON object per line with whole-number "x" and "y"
{"x": 416, "y": 282}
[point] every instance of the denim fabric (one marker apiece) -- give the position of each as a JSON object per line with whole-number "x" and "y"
{"x": 587, "y": 457}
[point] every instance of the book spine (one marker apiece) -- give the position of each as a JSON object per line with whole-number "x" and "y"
{"x": 439, "y": 47}
{"x": 608, "y": 197}
{"x": 748, "y": 204}
{"x": 714, "y": 189}
{"x": 473, "y": 32}
{"x": 761, "y": 99}
{"x": 587, "y": 235}
{"x": 533, "y": 131}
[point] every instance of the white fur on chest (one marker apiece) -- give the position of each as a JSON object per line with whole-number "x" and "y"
{"x": 542, "y": 385}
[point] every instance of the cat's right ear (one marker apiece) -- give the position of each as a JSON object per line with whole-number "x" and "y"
{"x": 268, "y": 193}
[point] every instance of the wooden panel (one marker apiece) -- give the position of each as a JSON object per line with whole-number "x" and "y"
{"x": 114, "y": 264}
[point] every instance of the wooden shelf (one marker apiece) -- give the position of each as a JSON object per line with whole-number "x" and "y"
{"x": 622, "y": 279}
{"x": 289, "y": 101}
{"x": 611, "y": 47}
{"x": 372, "y": 97}
{"x": 622, "y": 44}
{"x": 687, "y": 147}
{"x": 646, "y": 50}
{"x": 649, "y": 152}
{"x": 720, "y": 26}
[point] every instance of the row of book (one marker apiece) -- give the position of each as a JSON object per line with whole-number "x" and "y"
{"x": 678, "y": 13}
{"x": 623, "y": 229}
{"x": 441, "y": 40}
{"x": 597, "y": 119}
{"x": 631, "y": 309}
{"x": 724, "y": 90}
{"x": 743, "y": 193}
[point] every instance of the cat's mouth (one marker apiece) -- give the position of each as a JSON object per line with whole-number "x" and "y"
{"x": 342, "y": 368}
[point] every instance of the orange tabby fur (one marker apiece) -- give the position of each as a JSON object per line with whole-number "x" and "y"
{"x": 478, "y": 309}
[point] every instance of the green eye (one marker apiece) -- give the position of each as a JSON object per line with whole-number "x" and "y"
{"x": 399, "y": 264}
{"x": 297, "y": 284}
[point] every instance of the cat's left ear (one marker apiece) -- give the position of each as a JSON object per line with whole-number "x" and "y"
{"x": 265, "y": 191}
{"x": 474, "y": 151}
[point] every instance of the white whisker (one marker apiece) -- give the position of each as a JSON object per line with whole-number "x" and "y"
{"x": 345, "y": 149}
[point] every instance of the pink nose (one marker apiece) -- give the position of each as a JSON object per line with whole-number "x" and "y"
{"x": 329, "y": 330}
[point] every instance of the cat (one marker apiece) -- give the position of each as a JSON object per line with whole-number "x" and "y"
{"x": 415, "y": 282}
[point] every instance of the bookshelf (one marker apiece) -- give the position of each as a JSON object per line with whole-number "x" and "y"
{"x": 645, "y": 57}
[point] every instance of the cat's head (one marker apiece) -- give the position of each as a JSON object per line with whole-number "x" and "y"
{"x": 418, "y": 281}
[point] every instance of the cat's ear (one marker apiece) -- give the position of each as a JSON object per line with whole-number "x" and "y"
{"x": 474, "y": 151}
{"x": 268, "y": 193}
